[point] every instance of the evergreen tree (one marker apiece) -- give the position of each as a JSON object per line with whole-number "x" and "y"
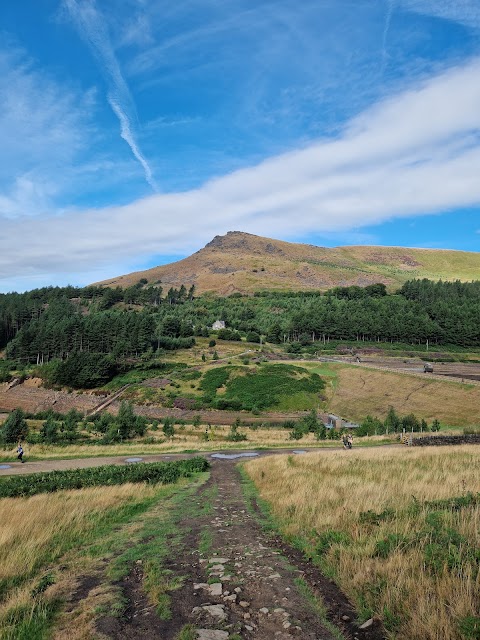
{"x": 15, "y": 427}
{"x": 49, "y": 431}
{"x": 392, "y": 422}
{"x": 168, "y": 428}
{"x": 125, "y": 421}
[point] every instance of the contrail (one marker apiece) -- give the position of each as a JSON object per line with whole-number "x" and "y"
{"x": 126, "y": 134}
{"x": 92, "y": 29}
{"x": 388, "y": 22}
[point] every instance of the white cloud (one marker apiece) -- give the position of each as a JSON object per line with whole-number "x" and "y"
{"x": 92, "y": 27}
{"x": 416, "y": 153}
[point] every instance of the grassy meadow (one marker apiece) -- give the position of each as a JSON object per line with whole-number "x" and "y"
{"x": 51, "y": 544}
{"x": 398, "y": 530}
{"x": 356, "y": 392}
{"x": 42, "y": 532}
{"x": 187, "y": 440}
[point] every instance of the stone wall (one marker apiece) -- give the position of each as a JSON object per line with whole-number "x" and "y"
{"x": 428, "y": 441}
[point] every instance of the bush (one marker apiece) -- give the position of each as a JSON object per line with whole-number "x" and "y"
{"x": 107, "y": 475}
{"x": 228, "y": 334}
{"x": 214, "y": 379}
{"x": 49, "y": 431}
{"x": 297, "y": 432}
{"x": 168, "y": 427}
{"x": 14, "y": 428}
{"x": 264, "y": 388}
{"x": 386, "y": 546}
{"x": 235, "y": 436}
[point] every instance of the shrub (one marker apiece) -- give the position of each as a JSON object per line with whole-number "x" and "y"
{"x": 214, "y": 379}
{"x": 107, "y": 475}
{"x": 386, "y": 546}
{"x": 49, "y": 431}
{"x": 297, "y": 432}
{"x": 235, "y": 436}
{"x": 168, "y": 427}
{"x": 14, "y": 428}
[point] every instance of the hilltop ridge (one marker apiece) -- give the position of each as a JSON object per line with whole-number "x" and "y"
{"x": 245, "y": 263}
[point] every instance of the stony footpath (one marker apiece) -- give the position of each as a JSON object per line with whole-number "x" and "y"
{"x": 251, "y": 588}
{"x": 237, "y": 580}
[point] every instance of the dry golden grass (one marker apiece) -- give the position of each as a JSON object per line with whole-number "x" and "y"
{"x": 184, "y": 440}
{"x": 35, "y": 532}
{"x": 316, "y": 493}
{"x": 31, "y": 526}
{"x": 360, "y": 391}
{"x": 245, "y": 262}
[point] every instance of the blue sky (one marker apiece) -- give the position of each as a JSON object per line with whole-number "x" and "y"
{"x": 133, "y": 132}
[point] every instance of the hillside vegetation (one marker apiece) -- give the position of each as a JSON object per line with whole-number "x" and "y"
{"x": 242, "y": 262}
{"x": 357, "y": 392}
{"x": 405, "y": 551}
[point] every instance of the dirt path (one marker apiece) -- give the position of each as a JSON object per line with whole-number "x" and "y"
{"x": 17, "y": 468}
{"x": 237, "y": 579}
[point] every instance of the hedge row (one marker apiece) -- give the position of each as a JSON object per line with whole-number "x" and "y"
{"x": 149, "y": 473}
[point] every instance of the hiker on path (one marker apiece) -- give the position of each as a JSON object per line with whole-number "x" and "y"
{"x": 20, "y": 452}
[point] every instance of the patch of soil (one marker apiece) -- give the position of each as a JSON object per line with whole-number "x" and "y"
{"x": 85, "y": 585}
{"x": 139, "y": 619}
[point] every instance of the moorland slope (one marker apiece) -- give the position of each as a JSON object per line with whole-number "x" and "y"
{"x": 242, "y": 262}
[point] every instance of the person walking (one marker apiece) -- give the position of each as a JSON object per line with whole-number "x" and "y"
{"x": 20, "y": 452}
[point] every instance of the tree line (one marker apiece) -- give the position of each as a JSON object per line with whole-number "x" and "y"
{"x": 55, "y": 323}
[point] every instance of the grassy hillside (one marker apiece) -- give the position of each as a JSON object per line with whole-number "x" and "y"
{"x": 396, "y": 529}
{"x": 356, "y": 392}
{"x": 241, "y": 262}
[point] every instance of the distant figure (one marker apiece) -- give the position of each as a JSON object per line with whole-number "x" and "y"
{"x": 349, "y": 441}
{"x": 20, "y": 452}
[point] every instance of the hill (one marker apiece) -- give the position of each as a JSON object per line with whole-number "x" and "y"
{"x": 242, "y": 262}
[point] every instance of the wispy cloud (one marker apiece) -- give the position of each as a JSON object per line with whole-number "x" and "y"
{"x": 414, "y": 154}
{"x": 91, "y": 25}
{"x": 386, "y": 30}
{"x": 465, "y": 12}
{"x": 44, "y": 128}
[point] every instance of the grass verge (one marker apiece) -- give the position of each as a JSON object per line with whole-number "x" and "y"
{"x": 52, "y": 544}
{"x": 396, "y": 529}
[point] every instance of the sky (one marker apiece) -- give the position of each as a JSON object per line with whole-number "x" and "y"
{"x": 133, "y": 132}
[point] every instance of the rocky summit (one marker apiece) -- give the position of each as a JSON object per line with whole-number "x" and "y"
{"x": 246, "y": 263}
